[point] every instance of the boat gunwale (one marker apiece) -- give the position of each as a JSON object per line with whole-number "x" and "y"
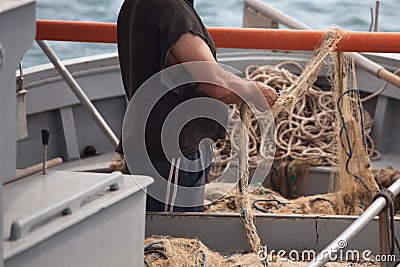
{"x": 87, "y": 66}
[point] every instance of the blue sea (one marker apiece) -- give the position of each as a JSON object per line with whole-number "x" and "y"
{"x": 319, "y": 14}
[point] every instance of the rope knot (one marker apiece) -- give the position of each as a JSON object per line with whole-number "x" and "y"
{"x": 387, "y": 195}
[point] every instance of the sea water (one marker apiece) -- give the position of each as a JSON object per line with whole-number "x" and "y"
{"x": 319, "y": 14}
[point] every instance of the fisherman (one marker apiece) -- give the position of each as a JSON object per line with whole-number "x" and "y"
{"x": 152, "y": 36}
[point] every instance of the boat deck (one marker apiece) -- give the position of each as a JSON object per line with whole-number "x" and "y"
{"x": 98, "y": 163}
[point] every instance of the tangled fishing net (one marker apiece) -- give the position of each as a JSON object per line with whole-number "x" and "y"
{"x": 165, "y": 251}
{"x": 265, "y": 200}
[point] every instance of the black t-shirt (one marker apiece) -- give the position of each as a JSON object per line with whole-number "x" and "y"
{"x": 146, "y": 30}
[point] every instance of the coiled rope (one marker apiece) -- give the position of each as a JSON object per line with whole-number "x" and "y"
{"x": 304, "y": 132}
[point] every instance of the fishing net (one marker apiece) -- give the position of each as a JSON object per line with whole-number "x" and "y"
{"x": 117, "y": 164}
{"x": 356, "y": 186}
{"x": 164, "y": 251}
{"x": 265, "y": 200}
{"x": 167, "y": 251}
{"x": 270, "y": 201}
{"x": 288, "y": 178}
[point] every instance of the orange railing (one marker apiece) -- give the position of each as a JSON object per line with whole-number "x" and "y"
{"x": 386, "y": 42}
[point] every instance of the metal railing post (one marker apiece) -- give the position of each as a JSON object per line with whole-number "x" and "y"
{"x": 79, "y": 93}
{"x": 384, "y": 236}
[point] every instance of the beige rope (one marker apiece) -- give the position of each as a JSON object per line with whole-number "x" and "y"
{"x": 287, "y": 101}
{"x": 245, "y": 206}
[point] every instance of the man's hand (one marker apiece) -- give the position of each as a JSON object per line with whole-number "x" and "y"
{"x": 268, "y": 92}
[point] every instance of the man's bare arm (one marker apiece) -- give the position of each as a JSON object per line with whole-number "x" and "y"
{"x": 192, "y": 48}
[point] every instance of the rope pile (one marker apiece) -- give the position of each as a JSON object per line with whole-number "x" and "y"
{"x": 305, "y": 131}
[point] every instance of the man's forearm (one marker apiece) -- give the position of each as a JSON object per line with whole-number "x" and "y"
{"x": 232, "y": 89}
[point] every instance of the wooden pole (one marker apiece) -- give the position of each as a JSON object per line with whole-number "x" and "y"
{"x": 22, "y": 173}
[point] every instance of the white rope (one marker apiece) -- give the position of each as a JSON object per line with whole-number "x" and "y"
{"x": 171, "y": 171}
{"x": 178, "y": 163}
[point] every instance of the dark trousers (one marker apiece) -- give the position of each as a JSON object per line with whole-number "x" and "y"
{"x": 185, "y": 179}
